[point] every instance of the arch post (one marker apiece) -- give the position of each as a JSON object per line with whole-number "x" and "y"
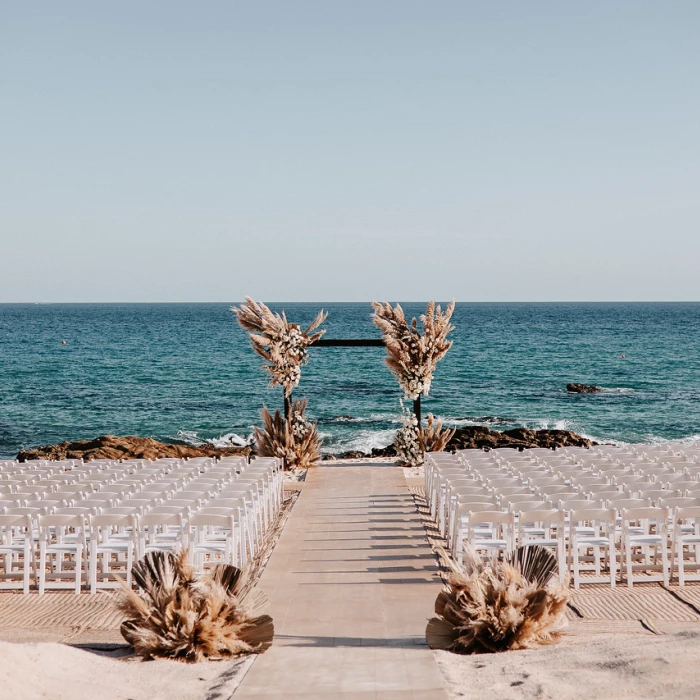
{"x": 416, "y": 410}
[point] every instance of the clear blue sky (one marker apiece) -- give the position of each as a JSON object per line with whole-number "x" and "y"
{"x": 183, "y": 151}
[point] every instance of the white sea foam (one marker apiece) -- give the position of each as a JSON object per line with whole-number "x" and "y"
{"x": 226, "y": 440}
{"x": 362, "y": 441}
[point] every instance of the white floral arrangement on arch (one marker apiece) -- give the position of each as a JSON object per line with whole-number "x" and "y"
{"x": 407, "y": 439}
{"x": 412, "y": 355}
{"x": 282, "y": 344}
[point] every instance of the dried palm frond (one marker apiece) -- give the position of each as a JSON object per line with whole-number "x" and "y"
{"x": 514, "y": 604}
{"x": 433, "y": 437}
{"x": 297, "y": 441}
{"x": 283, "y": 345}
{"x": 412, "y": 355}
{"x": 190, "y": 617}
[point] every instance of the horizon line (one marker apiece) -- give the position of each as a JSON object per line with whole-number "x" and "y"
{"x": 404, "y": 301}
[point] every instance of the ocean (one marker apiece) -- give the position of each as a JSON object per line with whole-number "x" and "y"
{"x": 187, "y": 372}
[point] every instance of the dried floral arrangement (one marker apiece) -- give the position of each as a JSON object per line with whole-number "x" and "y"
{"x": 283, "y": 345}
{"x": 412, "y": 354}
{"x": 412, "y": 441}
{"x": 191, "y": 617}
{"x": 513, "y": 604}
{"x": 295, "y": 440}
{"x": 407, "y": 439}
{"x": 433, "y": 437}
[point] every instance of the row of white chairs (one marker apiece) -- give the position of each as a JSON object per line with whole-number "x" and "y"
{"x": 62, "y": 520}
{"x": 600, "y": 511}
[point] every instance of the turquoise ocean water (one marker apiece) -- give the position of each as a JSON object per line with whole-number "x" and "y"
{"x": 186, "y": 372}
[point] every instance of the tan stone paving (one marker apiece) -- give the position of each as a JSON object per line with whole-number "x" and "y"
{"x": 352, "y": 583}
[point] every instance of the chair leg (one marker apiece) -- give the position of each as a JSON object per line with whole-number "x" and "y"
{"x": 42, "y": 568}
{"x": 628, "y": 557}
{"x": 78, "y": 568}
{"x": 129, "y": 562}
{"x": 92, "y": 567}
{"x": 26, "y": 566}
{"x": 613, "y": 561}
{"x": 664, "y": 562}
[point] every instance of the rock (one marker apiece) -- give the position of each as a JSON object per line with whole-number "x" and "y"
{"x": 479, "y": 437}
{"x": 129, "y": 447}
{"x": 582, "y": 389}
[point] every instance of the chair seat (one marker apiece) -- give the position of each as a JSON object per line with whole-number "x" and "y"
{"x": 639, "y": 540}
{"x": 592, "y": 542}
{"x": 489, "y": 544}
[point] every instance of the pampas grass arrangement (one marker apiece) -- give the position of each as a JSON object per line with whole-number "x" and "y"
{"x": 412, "y": 441}
{"x": 513, "y": 604}
{"x": 295, "y": 440}
{"x": 433, "y": 437}
{"x": 283, "y": 345}
{"x": 191, "y": 617}
{"x": 412, "y": 355}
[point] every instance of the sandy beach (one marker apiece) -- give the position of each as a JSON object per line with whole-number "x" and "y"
{"x": 621, "y": 643}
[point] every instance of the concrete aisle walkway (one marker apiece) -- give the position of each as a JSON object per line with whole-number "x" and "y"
{"x": 352, "y": 583}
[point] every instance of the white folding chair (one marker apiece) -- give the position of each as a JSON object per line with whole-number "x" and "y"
{"x": 544, "y": 527}
{"x": 638, "y": 546}
{"x": 686, "y": 542}
{"x": 592, "y": 530}
{"x": 62, "y": 545}
{"x": 111, "y": 534}
{"x": 499, "y": 537}
{"x": 16, "y": 551}
{"x": 214, "y": 539}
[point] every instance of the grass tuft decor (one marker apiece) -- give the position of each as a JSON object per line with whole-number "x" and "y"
{"x": 513, "y": 604}
{"x": 192, "y": 617}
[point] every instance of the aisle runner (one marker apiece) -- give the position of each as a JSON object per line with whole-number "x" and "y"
{"x": 352, "y": 582}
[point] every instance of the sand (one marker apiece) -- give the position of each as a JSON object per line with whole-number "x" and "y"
{"x": 594, "y": 667}
{"x": 58, "y": 672}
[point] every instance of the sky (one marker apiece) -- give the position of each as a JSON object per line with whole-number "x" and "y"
{"x": 348, "y": 151}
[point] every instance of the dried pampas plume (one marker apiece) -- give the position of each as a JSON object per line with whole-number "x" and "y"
{"x": 433, "y": 437}
{"x": 514, "y": 604}
{"x": 283, "y": 345}
{"x": 296, "y": 441}
{"x": 412, "y": 355}
{"x": 190, "y": 617}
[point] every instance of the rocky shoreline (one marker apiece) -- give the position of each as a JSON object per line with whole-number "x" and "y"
{"x": 479, "y": 437}
{"x": 471, "y": 437}
{"x": 128, "y": 447}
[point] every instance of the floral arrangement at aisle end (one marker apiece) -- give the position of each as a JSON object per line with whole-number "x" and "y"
{"x": 407, "y": 439}
{"x": 296, "y": 441}
{"x": 412, "y": 355}
{"x": 283, "y": 345}
{"x": 192, "y": 617}
{"x": 512, "y": 604}
{"x": 412, "y": 441}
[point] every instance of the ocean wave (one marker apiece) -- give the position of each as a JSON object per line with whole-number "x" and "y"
{"x": 616, "y": 390}
{"x": 226, "y": 440}
{"x": 476, "y": 420}
{"x": 362, "y": 441}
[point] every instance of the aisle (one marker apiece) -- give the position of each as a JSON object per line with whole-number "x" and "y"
{"x": 352, "y": 582}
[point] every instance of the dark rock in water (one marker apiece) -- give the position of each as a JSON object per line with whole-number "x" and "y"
{"x": 129, "y": 447}
{"x": 388, "y": 451}
{"x": 582, "y": 389}
{"x": 479, "y": 437}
